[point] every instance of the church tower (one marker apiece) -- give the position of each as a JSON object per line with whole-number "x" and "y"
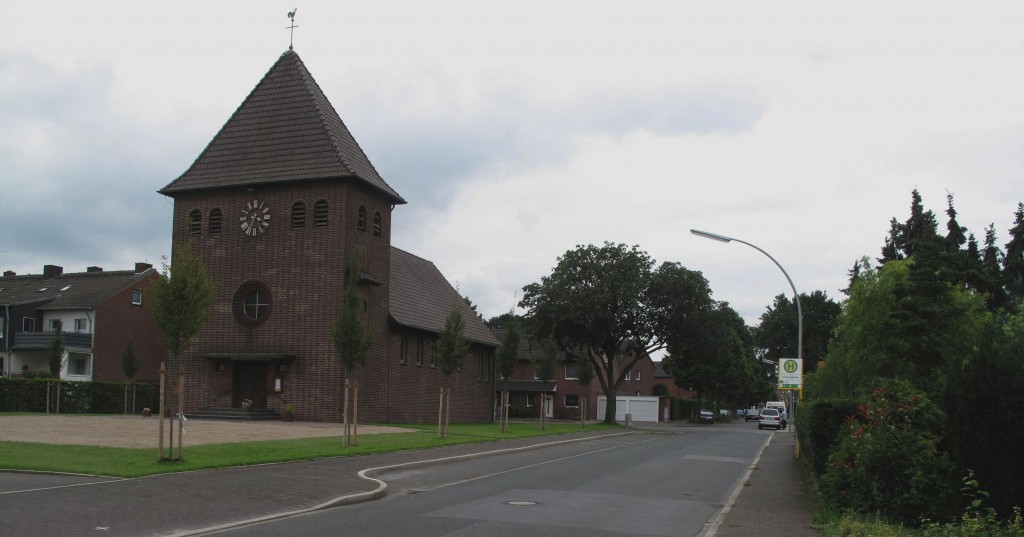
{"x": 278, "y": 205}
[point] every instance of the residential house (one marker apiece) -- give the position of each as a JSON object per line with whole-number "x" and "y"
{"x": 98, "y": 313}
{"x": 563, "y": 395}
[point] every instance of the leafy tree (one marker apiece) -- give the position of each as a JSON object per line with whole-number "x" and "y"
{"x": 544, "y": 368}
{"x": 715, "y": 356}
{"x": 182, "y": 300}
{"x": 1013, "y": 262}
{"x": 584, "y": 376}
{"x": 502, "y": 321}
{"x": 56, "y": 357}
{"x": 611, "y": 300}
{"x": 508, "y": 355}
{"x": 130, "y": 366}
{"x": 129, "y": 360}
{"x": 893, "y": 325}
{"x": 776, "y": 334}
{"x": 451, "y": 352}
{"x": 56, "y": 352}
{"x": 352, "y": 339}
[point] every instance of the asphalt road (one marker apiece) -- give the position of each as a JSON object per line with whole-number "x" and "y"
{"x": 644, "y": 484}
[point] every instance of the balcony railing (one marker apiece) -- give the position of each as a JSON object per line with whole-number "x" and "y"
{"x": 43, "y": 340}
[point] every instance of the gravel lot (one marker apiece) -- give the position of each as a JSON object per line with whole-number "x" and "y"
{"x": 139, "y": 432}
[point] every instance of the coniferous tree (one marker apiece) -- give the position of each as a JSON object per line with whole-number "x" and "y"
{"x": 1013, "y": 262}
{"x": 991, "y": 264}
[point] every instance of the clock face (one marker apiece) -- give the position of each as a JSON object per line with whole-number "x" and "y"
{"x": 255, "y": 218}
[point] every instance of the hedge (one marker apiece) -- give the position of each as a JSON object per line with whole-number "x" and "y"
{"x": 818, "y": 425}
{"x": 30, "y": 394}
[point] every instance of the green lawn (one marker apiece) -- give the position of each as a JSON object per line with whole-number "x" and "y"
{"x": 125, "y": 462}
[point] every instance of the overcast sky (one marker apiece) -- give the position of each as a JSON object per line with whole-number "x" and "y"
{"x": 517, "y": 131}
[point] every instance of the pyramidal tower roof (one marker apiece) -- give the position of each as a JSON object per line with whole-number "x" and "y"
{"x": 285, "y": 130}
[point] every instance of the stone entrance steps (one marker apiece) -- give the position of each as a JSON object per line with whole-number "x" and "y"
{"x": 234, "y": 414}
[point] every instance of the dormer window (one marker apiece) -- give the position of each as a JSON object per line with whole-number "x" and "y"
{"x": 320, "y": 213}
{"x": 195, "y": 222}
{"x": 298, "y": 215}
{"x": 216, "y": 218}
{"x": 377, "y": 225}
{"x": 361, "y": 222}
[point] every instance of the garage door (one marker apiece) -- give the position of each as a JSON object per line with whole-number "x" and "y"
{"x": 642, "y": 408}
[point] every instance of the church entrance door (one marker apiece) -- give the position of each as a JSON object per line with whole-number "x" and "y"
{"x": 250, "y": 382}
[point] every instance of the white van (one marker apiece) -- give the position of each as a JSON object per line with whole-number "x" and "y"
{"x": 779, "y": 405}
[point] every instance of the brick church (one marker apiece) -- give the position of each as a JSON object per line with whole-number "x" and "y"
{"x": 277, "y": 205}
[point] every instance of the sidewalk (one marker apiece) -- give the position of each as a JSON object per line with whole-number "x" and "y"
{"x": 777, "y": 499}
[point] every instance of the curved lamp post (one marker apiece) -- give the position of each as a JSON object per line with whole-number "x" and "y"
{"x": 796, "y": 295}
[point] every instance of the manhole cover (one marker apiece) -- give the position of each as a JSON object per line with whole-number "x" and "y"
{"x": 521, "y": 503}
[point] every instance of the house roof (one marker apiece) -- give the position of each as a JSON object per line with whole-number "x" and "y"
{"x": 79, "y": 290}
{"x": 285, "y": 130}
{"x": 420, "y": 297}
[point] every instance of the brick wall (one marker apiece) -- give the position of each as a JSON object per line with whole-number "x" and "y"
{"x": 304, "y": 270}
{"x": 117, "y": 321}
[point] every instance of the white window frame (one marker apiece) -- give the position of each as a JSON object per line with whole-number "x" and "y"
{"x": 82, "y": 358}
{"x": 575, "y": 371}
{"x": 56, "y": 324}
{"x": 628, "y": 374}
{"x": 566, "y": 400}
{"x": 81, "y": 326}
{"x": 136, "y": 298}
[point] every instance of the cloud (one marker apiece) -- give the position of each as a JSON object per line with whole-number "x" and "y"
{"x": 78, "y": 185}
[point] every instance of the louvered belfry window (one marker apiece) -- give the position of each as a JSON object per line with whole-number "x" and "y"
{"x": 216, "y": 219}
{"x": 320, "y": 214}
{"x": 195, "y": 222}
{"x": 377, "y": 225}
{"x": 298, "y": 214}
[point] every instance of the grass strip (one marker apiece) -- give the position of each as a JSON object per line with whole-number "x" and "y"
{"x": 138, "y": 462}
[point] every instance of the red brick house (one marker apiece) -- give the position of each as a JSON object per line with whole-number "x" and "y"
{"x": 98, "y": 313}
{"x": 563, "y": 394}
{"x": 278, "y": 205}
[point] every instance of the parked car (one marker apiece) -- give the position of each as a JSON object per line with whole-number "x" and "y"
{"x": 706, "y": 416}
{"x": 769, "y": 417}
{"x": 751, "y": 415}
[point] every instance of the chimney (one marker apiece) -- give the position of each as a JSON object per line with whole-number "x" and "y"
{"x": 10, "y": 273}
{"x": 142, "y": 267}
{"x": 94, "y": 269}
{"x": 52, "y": 270}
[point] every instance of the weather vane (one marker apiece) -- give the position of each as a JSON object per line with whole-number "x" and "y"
{"x": 291, "y": 38}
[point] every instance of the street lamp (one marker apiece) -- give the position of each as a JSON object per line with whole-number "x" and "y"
{"x": 800, "y": 314}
